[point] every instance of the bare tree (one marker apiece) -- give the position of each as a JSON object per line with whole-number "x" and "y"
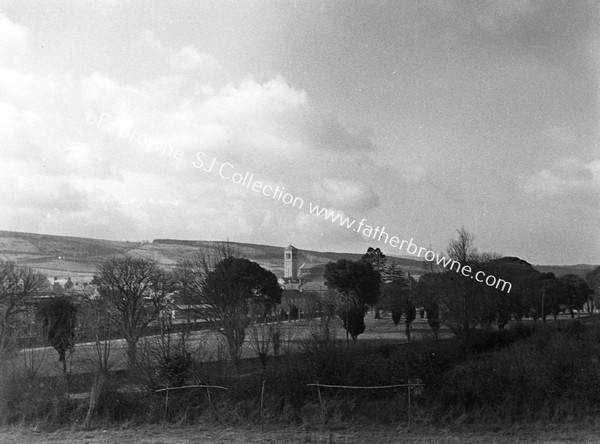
{"x": 134, "y": 290}
{"x": 17, "y": 284}
{"x": 98, "y": 325}
{"x": 261, "y": 334}
{"x": 462, "y": 249}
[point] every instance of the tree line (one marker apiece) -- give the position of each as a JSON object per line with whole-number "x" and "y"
{"x": 451, "y": 299}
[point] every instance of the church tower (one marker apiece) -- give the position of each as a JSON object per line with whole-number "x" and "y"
{"x": 290, "y": 264}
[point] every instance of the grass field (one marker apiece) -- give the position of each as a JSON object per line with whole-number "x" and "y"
{"x": 44, "y": 359}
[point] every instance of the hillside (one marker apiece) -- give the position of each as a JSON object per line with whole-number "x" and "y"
{"x": 78, "y": 257}
{"x": 561, "y": 270}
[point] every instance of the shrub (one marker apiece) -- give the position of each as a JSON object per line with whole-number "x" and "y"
{"x": 528, "y": 380}
{"x": 479, "y": 341}
{"x": 28, "y": 398}
{"x": 175, "y": 368}
{"x": 574, "y": 328}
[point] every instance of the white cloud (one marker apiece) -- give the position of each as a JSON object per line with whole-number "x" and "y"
{"x": 569, "y": 178}
{"x": 190, "y": 59}
{"x": 13, "y": 37}
{"x": 187, "y": 58}
{"x": 348, "y": 195}
{"x": 545, "y": 183}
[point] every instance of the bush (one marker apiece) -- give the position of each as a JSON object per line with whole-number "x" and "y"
{"x": 574, "y": 329}
{"x": 28, "y": 398}
{"x": 479, "y": 341}
{"x": 175, "y": 368}
{"x": 526, "y": 381}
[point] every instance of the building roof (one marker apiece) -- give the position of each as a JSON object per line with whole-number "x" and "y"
{"x": 316, "y": 285}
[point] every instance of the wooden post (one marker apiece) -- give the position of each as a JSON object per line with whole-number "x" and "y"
{"x": 166, "y": 408}
{"x": 408, "y": 387}
{"x": 322, "y": 408}
{"x": 262, "y": 398}
{"x": 209, "y": 402}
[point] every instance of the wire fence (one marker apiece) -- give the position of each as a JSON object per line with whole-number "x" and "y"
{"x": 207, "y": 387}
{"x": 409, "y": 387}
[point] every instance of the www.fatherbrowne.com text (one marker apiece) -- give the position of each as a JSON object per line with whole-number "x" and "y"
{"x": 379, "y": 234}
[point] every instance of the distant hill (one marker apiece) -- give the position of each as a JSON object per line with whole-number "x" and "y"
{"x": 78, "y": 257}
{"x": 561, "y": 270}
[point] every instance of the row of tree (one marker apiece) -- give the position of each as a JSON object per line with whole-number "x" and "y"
{"x": 445, "y": 296}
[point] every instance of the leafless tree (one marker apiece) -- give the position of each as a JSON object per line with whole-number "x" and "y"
{"x": 261, "y": 334}
{"x": 98, "y": 326}
{"x": 462, "y": 249}
{"x": 17, "y": 284}
{"x": 134, "y": 291}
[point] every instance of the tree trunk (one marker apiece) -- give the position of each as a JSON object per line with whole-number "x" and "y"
{"x": 263, "y": 361}
{"x": 235, "y": 341}
{"x": 131, "y": 354}
{"x": 96, "y": 392}
{"x": 62, "y": 358}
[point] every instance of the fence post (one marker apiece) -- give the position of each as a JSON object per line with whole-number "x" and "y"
{"x": 210, "y": 410}
{"x": 321, "y": 407}
{"x": 408, "y": 388}
{"x": 262, "y": 398}
{"x": 166, "y": 408}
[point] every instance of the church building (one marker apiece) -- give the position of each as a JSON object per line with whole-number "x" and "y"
{"x": 303, "y": 285}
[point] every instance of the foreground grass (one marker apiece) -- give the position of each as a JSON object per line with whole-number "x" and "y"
{"x": 501, "y": 433}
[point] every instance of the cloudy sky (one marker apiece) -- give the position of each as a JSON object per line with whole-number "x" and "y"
{"x": 420, "y": 116}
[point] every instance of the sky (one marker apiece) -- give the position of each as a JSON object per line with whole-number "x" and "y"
{"x": 418, "y": 116}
